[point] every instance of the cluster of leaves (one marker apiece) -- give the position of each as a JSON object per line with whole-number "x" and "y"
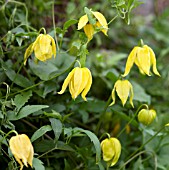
{"x": 65, "y": 133}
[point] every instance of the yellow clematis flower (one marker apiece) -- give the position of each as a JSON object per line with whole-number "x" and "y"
{"x": 146, "y": 116}
{"x": 79, "y": 81}
{"x": 89, "y": 29}
{"x": 22, "y": 149}
{"x": 44, "y": 48}
{"x": 111, "y": 149}
{"x": 123, "y": 88}
{"x": 144, "y": 58}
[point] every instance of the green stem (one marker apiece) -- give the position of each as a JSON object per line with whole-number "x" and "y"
{"x": 44, "y": 30}
{"x": 12, "y": 131}
{"x": 17, "y": 74}
{"x": 102, "y": 115}
{"x": 143, "y": 105}
{"x": 138, "y": 154}
{"x": 147, "y": 141}
{"x": 112, "y": 19}
{"x": 54, "y": 26}
{"x": 26, "y": 10}
{"x": 30, "y": 87}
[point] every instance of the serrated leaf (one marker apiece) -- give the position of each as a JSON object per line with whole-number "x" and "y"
{"x": 57, "y": 127}
{"x": 38, "y": 164}
{"x": 40, "y": 132}
{"x": 68, "y": 23}
{"x": 21, "y": 99}
{"x": 95, "y": 141}
{"x": 25, "y": 111}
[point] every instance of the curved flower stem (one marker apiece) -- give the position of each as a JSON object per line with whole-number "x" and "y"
{"x": 79, "y": 63}
{"x": 112, "y": 19}
{"x": 138, "y": 154}
{"x": 44, "y": 30}
{"x": 102, "y": 115}
{"x": 147, "y": 142}
{"x": 107, "y": 134}
{"x": 26, "y": 10}
{"x": 12, "y": 131}
{"x": 143, "y": 105}
{"x": 54, "y": 26}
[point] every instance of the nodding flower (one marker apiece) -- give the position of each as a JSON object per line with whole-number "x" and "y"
{"x": 79, "y": 81}
{"x": 146, "y": 116}
{"x": 44, "y": 48}
{"x": 99, "y": 25}
{"x": 123, "y": 89}
{"x": 144, "y": 58}
{"x": 111, "y": 149}
{"x": 22, "y": 149}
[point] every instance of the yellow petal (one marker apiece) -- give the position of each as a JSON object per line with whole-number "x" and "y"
{"x": 153, "y": 61}
{"x": 113, "y": 96}
{"x": 38, "y": 53}
{"x": 102, "y": 21}
{"x": 71, "y": 88}
{"x": 108, "y": 149}
{"x": 143, "y": 58}
{"x": 85, "y": 78}
{"x": 67, "y": 80}
{"x": 131, "y": 94}
{"x": 22, "y": 149}
{"x": 77, "y": 81}
{"x": 44, "y": 44}
{"x": 28, "y": 52}
{"x": 88, "y": 84}
{"x": 82, "y": 22}
{"x": 99, "y": 26}
{"x": 117, "y": 151}
{"x": 89, "y": 31}
{"x": 53, "y": 45}
{"x": 123, "y": 88}
{"x": 130, "y": 61}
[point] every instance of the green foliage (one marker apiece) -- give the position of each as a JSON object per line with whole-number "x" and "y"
{"x": 66, "y": 133}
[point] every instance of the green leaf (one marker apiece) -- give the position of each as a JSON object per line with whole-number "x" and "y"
{"x": 57, "y": 127}
{"x": 38, "y": 164}
{"x": 63, "y": 146}
{"x": 95, "y": 141}
{"x": 54, "y": 114}
{"x": 17, "y": 78}
{"x": 42, "y": 69}
{"x": 140, "y": 94}
{"x": 25, "y": 111}
{"x": 90, "y": 16}
{"x": 21, "y": 99}
{"x": 40, "y": 132}
{"x": 68, "y": 23}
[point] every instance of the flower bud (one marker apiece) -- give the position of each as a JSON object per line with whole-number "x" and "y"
{"x": 146, "y": 116}
{"x": 111, "y": 148}
{"x": 22, "y": 149}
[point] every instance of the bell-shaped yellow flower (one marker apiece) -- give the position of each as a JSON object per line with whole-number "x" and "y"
{"x": 79, "y": 81}
{"x": 123, "y": 89}
{"x": 144, "y": 58}
{"x": 111, "y": 149}
{"x": 44, "y": 48}
{"x": 89, "y": 29}
{"x": 146, "y": 116}
{"x": 22, "y": 149}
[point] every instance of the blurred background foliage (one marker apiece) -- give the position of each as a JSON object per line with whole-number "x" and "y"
{"x": 29, "y": 99}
